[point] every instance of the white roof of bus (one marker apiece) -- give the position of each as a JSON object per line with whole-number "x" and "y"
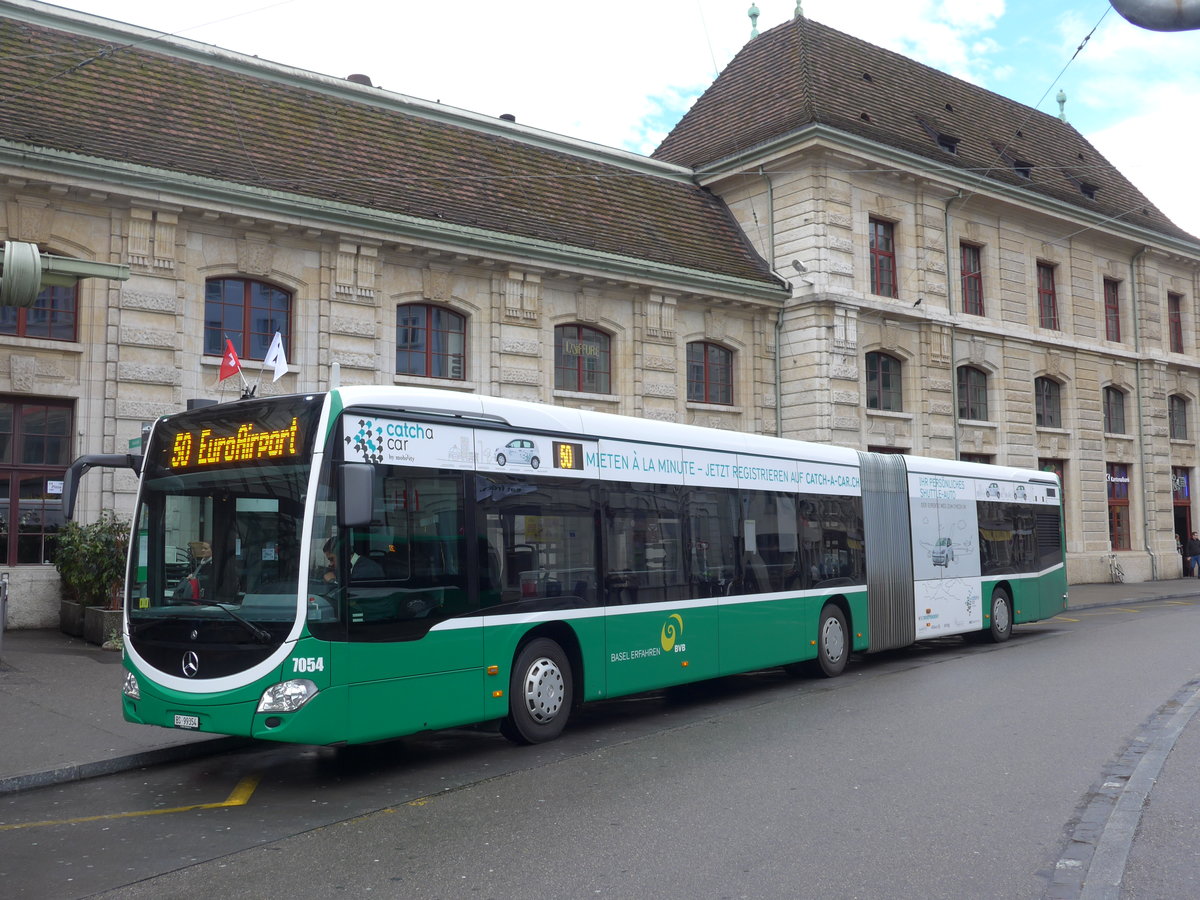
{"x": 922, "y": 465}
{"x": 545, "y": 417}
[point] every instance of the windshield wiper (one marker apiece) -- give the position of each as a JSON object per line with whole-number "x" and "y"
{"x": 261, "y": 635}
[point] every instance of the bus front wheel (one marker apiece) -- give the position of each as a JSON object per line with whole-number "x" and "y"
{"x": 1002, "y": 617}
{"x": 539, "y": 693}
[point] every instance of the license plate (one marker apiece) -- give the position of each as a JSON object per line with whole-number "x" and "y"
{"x": 187, "y": 721}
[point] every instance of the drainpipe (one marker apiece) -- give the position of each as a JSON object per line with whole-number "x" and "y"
{"x": 1137, "y": 374}
{"x": 950, "y": 311}
{"x": 779, "y": 316}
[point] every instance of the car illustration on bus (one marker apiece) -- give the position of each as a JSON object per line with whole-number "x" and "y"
{"x": 520, "y": 451}
{"x": 942, "y": 553}
{"x": 993, "y": 491}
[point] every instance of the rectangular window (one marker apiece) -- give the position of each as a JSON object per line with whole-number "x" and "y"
{"x": 1175, "y": 321}
{"x": 647, "y": 543}
{"x": 1177, "y": 424}
{"x": 972, "y": 279}
{"x": 35, "y": 449}
{"x": 1118, "y": 505}
{"x": 1114, "y": 411}
{"x": 984, "y": 458}
{"x": 883, "y": 258}
{"x": 1112, "y": 310}
{"x": 52, "y": 316}
{"x": 1047, "y": 298}
{"x": 1181, "y": 486}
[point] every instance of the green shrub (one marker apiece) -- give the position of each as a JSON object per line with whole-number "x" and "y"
{"x": 90, "y": 560}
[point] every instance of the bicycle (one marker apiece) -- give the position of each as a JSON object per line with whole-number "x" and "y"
{"x": 1114, "y": 569}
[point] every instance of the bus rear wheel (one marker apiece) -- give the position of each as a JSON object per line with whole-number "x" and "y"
{"x": 539, "y": 693}
{"x": 833, "y": 642}
{"x": 1002, "y": 617}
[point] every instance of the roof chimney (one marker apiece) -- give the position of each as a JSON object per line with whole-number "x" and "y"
{"x": 360, "y": 79}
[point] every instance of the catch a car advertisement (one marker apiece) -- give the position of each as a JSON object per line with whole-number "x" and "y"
{"x": 945, "y": 535}
{"x": 403, "y": 442}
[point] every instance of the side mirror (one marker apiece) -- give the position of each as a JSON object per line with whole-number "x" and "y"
{"x": 356, "y": 494}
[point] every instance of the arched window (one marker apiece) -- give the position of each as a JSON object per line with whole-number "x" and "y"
{"x": 582, "y": 359}
{"x": 972, "y": 393}
{"x": 883, "y": 383}
{"x": 709, "y": 373}
{"x": 1047, "y": 401}
{"x": 248, "y": 313}
{"x": 431, "y": 341}
{"x": 1114, "y": 410}
{"x": 1177, "y": 417}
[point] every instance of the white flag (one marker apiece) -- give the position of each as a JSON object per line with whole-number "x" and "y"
{"x": 275, "y": 357}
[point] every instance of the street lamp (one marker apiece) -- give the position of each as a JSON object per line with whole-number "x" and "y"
{"x": 25, "y": 270}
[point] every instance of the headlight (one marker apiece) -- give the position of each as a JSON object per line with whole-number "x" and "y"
{"x": 131, "y": 689}
{"x": 287, "y": 696}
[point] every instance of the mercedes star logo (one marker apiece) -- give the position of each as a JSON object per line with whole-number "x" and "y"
{"x": 191, "y": 664}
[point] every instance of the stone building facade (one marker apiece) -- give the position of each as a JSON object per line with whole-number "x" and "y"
{"x": 667, "y": 285}
{"x": 974, "y": 281}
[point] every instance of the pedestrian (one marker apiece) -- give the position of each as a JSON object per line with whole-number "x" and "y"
{"x": 1193, "y": 555}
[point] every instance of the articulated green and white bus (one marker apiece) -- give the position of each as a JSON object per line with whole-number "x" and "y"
{"x": 369, "y": 562}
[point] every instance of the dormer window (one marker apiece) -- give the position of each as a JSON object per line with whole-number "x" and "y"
{"x": 946, "y": 142}
{"x": 1019, "y": 166}
{"x": 1085, "y": 187}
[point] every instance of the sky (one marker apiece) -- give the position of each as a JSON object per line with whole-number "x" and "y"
{"x": 623, "y": 72}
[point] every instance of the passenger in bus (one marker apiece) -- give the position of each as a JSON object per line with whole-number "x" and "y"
{"x": 361, "y": 565}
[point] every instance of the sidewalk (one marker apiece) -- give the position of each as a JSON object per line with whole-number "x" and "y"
{"x": 60, "y": 702}
{"x": 60, "y": 715}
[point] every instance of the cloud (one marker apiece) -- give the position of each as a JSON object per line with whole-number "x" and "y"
{"x": 1164, "y": 174}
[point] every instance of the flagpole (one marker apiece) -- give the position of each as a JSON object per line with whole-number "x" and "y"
{"x": 247, "y": 391}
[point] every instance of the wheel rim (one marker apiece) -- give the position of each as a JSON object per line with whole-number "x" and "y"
{"x": 543, "y": 691}
{"x": 1000, "y": 615}
{"x": 833, "y": 639}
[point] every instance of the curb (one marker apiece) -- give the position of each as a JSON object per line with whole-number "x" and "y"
{"x": 78, "y": 772}
{"x": 1127, "y": 601}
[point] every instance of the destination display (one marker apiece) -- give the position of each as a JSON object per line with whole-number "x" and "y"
{"x": 235, "y": 434}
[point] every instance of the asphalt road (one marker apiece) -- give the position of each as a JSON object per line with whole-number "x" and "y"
{"x": 947, "y": 770}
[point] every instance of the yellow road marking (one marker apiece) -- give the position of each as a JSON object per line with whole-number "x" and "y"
{"x": 240, "y": 796}
{"x": 1065, "y": 619}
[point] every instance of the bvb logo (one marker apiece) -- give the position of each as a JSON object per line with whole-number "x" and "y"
{"x": 672, "y": 629}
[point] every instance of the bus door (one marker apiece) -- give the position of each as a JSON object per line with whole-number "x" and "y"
{"x": 412, "y": 655}
{"x": 538, "y": 567}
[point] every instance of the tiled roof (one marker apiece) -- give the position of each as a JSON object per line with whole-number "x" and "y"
{"x": 803, "y": 73}
{"x": 73, "y": 92}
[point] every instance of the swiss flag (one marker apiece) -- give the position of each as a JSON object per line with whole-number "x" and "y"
{"x": 230, "y": 364}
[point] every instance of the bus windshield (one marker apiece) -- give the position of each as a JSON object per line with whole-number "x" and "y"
{"x": 218, "y": 527}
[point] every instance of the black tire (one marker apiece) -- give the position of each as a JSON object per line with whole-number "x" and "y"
{"x": 535, "y": 462}
{"x": 500, "y": 459}
{"x": 539, "y": 693}
{"x": 1000, "y": 629}
{"x": 833, "y": 642}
